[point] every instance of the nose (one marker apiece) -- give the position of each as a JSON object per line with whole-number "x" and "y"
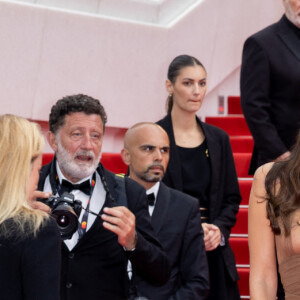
{"x": 86, "y": 142}
{"x": 158, "y": 155}
{"x": 196, "y": 89}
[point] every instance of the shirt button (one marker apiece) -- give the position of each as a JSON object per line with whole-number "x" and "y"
{"x": 71, "y": 255}
{"x": 69, "y": 285}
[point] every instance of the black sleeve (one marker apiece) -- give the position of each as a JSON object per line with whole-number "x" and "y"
{"x": 230, "y": 192}
{"x": 148, "y": 260}
{"x": 256, "y": 102}
{"x": 193, "y": 261}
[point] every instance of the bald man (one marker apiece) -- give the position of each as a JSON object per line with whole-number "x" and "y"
{"x": 175, "y": 216}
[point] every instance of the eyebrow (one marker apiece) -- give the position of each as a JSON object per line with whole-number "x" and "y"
{"x": 147, "y": 146}
{"x": 187, "y": 78}
{"x": 152, "y": 146}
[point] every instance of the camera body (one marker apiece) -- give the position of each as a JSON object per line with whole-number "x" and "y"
{"x": 65, "y": 210}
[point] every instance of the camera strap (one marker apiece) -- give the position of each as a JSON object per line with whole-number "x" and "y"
{"x": 122, "y": 199}
{"x": 83, "y": 224}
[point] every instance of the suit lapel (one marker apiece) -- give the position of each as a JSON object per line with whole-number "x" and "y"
{"x": 174, "y": 167}
{"x": 161, "y": 208}
{"x": 289, "y": 38}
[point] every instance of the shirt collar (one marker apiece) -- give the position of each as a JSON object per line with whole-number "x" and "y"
{"x": 153, "y": 189}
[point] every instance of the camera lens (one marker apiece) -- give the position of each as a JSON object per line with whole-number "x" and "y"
{"x": 63, "y": 221}
{"x": 66, "y": 220}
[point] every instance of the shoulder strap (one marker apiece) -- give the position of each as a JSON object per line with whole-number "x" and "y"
{"x": 122, "y": 198}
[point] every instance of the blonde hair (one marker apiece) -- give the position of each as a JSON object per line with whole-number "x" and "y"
{"x": 21, "y": 142}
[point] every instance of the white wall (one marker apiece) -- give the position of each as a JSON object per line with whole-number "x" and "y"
{"x": 46, "y": 54}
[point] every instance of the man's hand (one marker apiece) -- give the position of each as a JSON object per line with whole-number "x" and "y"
{"x": 212, "y": 236}
{"x": 121, "y": 221}
{"x": 39, "y": 205}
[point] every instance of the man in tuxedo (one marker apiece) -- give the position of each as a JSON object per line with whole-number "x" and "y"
{"x": 270, "y": 87}
{"x": 175, "y": 217}
{"x": 118, "y": 228}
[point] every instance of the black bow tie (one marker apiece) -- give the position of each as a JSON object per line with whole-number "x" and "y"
{"x": 151, "y": 199}
{"x": 67, "y": 186}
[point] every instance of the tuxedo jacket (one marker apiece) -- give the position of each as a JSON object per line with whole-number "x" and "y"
{"x": 96, "y": 268}
{"x": 224, "y": 194}
{"x": 270, "y": 90}
{"x": 30, "y": 266}
{"x": 176, "y": 221}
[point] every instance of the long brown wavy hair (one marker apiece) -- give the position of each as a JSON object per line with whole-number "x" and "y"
{"x": 283, "y": 191}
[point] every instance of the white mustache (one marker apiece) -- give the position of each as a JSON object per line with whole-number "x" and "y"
{"x": 84, "y": 153}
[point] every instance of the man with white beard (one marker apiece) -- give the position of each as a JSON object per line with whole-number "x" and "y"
{"x": 270, "y": 87}
{"x": 94, "y": 259}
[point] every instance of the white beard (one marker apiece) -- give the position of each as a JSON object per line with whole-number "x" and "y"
{"x": 70, "y": 167}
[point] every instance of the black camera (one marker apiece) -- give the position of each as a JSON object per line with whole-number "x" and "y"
{"x": 66, "y": 210}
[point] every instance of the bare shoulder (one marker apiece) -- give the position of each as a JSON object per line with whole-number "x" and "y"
{"x": 262, "y": 171}
{"x": 258, "y": 191}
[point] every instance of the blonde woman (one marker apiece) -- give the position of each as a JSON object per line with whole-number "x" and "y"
{"x": 29, "y": 239}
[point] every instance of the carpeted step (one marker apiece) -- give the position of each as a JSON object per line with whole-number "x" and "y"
{"x": 233, "y": 125}
{"x": 47, "y": 157}
{"x": 242, "y": 144}
{"x": 241, "y": 225}
{"x": 240, "y": 249}
{"x": 244, "y": 281}
{"x": 113, "y": 162}
{"x": 245, "y": 187}
{"x": 242, "y": 163}
{"x": 234, "y": 105}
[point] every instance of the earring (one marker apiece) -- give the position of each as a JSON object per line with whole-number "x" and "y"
{"x": 170, "y": 96}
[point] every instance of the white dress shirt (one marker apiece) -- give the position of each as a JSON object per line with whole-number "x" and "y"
{"x": 96, "y": 203}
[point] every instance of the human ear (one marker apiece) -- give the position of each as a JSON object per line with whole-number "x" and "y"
{"x": 125, "y": 156}
{"x": 51, "y": 138}
{"x": 169, "y": 87}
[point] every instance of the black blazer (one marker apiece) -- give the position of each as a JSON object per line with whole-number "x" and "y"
{"x": 270, "y": 90}
{"x": 30, "y": 266}
{"x": 224, "y": 195}
{"x": 96, "y": 268}
{"x": 176, "y": 221}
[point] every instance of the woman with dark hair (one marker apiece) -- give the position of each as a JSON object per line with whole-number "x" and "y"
{"x": 201, "y": 164}
{"x": 274, "y": 228}
{"x": 29, "y": 238}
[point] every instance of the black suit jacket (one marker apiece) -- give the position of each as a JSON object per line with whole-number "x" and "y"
{"x": 30, "y": 266}
{"x": 96, "y": 268}
{"x": 270, "y": 90}
{"x": 224, "y": 195}
{"x": 176, "y": 221}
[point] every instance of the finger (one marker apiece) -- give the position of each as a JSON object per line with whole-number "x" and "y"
{"x": 41, "y": 194}
{"x": 114, "y": 220}
{"x": 207, "y": 238}
{"x": 118, "y": 211}
{"x": 41, "y": 206}
{"x": 126, "y": 238}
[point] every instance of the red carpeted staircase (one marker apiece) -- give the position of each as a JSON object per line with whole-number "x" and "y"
{"x": 242, "y": 144}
